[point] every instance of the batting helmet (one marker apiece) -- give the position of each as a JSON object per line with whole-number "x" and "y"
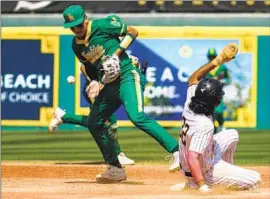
{"x": 208, "y": 95}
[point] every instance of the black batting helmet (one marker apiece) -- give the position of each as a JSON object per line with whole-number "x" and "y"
{"x": 208, "y": 95}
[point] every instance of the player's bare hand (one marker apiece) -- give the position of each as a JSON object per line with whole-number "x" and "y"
{"x": 227, "y": 54}
{"x": 93, "y": 89}
{"x": 205, "y": 189}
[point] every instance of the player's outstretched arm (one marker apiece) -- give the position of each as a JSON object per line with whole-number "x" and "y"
{"x": 194, "y": 165}
{"x": 226, "y": 55}
{"x": 198, "y": 145}
{"x": 200, "y": 73}
{"x": 195, "y": 168}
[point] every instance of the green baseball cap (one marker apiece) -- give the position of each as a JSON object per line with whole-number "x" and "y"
{"x": 211, "y": 52}
{"x": 73, "y": 15}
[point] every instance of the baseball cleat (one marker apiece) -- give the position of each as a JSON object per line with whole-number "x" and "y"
{"x": 124, "y": 160}
{"x": 174, "y": 162}
{"x": 112, "y": 175}
{"x": 227, "y": 54}
{"x": 56, "y": 119}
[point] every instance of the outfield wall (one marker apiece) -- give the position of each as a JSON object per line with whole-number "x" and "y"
{"x": 35, "y": 82}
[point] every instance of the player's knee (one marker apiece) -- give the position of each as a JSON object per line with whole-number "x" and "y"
{"x": 234, "y": 135}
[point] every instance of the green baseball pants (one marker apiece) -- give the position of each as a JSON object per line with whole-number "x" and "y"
{"x": 127, "y": 91}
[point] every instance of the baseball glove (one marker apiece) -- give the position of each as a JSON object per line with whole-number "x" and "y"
{"x": 227, "y": 54}
{"x": 111, "y": 68}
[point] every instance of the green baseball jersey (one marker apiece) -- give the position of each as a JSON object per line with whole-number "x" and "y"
{"x": 102, "y": 39}
{"x": 221, "y": 73}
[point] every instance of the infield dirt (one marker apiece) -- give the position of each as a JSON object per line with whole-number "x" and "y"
{"x": 77, "y": 181}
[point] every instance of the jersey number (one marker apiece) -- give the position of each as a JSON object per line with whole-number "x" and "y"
{"x": 184, "y": 131}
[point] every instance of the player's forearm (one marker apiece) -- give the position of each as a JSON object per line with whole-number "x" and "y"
{"x": 130, "y": 36}
{"x": 226, "y": 55}
{"x": 89, "y": 71}
{"x": 195, "y": 168}
{"x": 82, "y": 68}
{"x": 200, "y": 73}
{"x": 118, "y": 52}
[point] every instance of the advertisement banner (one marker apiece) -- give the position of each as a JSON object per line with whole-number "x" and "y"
{"x": 32, "y": 62}
{"x": 28, "y": 86}
{"x": 172, "y": 61}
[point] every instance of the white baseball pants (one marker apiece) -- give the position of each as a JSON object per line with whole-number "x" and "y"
{"x": 224, "y": 172}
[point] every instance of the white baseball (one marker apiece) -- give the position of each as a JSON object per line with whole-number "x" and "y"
{"x": 71, "y": 79}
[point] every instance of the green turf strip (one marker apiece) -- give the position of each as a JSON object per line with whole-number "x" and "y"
{"x": 62, "y": 146}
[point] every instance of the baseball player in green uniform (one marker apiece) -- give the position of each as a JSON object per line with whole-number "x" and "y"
{"x": 61, "y": 117}
{"x": 97, "y": 45}
{"x": 222, "y": 74}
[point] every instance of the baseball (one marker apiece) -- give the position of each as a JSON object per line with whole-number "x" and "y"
{"x": 71, "y": 79}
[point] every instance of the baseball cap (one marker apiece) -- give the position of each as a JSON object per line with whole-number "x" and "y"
{"x": 73, "y": 15}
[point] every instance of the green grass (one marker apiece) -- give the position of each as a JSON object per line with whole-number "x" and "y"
{"x": 65, "y": 146}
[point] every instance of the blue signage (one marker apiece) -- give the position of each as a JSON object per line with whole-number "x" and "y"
{"x": 26, "y": 79}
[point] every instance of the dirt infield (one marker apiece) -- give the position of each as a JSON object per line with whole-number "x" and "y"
{"x": 76, "y": 181}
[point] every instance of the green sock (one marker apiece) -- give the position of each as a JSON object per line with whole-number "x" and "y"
{"x": 75, "y": 119}
{"x": 83, "y": 121}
